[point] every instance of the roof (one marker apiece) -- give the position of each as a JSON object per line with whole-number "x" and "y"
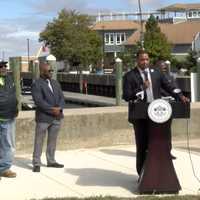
{"x": 179, "y": 7}
{"x": 180, "y": 33}
{"x": 116, "y": 25}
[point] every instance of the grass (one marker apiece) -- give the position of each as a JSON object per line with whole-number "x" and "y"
{"x": 174, "y": 197}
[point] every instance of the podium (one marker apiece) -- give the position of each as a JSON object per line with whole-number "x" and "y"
{"x": 158, "y": 174}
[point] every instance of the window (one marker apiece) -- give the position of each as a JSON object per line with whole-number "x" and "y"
{"x": 109, "y": 38}
{"x": 193, "y": 14}
{"x": 118, "y": 38}
{"x": 106, "y": 38}
{"x": 114, "y": 38}
{"x": 190, "y": 14}
{"x": 121, "y": 37}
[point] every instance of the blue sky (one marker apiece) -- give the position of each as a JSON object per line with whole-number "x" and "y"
{"x": 22, "y": 19}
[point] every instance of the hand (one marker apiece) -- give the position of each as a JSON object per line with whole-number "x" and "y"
{"x": 146, "y": 84}
{"x": 56, "y": 111}
{"x": 184, "y": 99}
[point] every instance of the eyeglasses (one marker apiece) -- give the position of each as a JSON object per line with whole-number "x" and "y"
{"x": 50, "y": 70}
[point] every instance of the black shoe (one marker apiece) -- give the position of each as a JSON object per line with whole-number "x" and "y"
{"x": 56, "y": 165}
{"x": 36, "y": 168}
{"x": 173, "y": 157}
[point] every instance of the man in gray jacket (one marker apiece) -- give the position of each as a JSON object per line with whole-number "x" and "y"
{"x": 49, "y": 101}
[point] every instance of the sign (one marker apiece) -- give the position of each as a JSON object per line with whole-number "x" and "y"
{"x": 159, "y": 111}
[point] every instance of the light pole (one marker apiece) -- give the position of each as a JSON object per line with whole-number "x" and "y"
{"x": 141, "y": 25}
{"x": 103, "y": 46}
{"x": 28, "y": 52}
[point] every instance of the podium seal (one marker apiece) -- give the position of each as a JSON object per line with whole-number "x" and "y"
{"x": 159, "y": 111}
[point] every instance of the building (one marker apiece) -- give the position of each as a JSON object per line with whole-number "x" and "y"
{"x": 179, "y": 22}
{"x": 114, "y": 35}
{"x": 183, "y": 37}
{"x": 180, "y": 12}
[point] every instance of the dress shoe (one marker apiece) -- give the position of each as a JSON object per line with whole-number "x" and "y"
{"x": 36, "y": 168}
{"x": 173, "y": 157}
{"x": 8, "y": 174}
{"x": 56, "y": 165}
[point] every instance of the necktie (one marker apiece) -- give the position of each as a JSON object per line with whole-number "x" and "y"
{"x": 149, "y": 93}
{"x": 49, "y": 84}
{"x": 145, "y": 75}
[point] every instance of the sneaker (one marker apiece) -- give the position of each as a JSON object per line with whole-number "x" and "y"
{"x": 36, "y": 168}
{"x": 8, "y": 174}
{"x": 56, "y": 165}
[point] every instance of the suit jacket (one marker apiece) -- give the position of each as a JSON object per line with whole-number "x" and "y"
{"x": 45, "y": 99}
{"x": 171, "y": 79}
{"x": 133, "y": 83}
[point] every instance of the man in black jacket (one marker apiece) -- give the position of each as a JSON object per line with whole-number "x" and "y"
{"x": 8, "y": 112}
{"x": 144, "y": 83}
{"x": 164, "y": 68}
{"x": 49, "y": 101}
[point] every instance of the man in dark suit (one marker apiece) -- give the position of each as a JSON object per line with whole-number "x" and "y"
{"x": 49, "y": 101}
{"x": 144, "y": 84}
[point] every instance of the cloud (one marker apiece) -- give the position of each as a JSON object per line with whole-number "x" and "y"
{"x": 48, "y": 7}
{"x": 147, "y": 4}
{"x": 14, "y": 35}
{"x": 52, "y": 6}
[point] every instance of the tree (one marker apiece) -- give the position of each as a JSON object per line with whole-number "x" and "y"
{"x": 155, "y": 42}
{"x": 191, "y": 61}
{"x": 128, "y": 57}
{"x": 70, "y": 38}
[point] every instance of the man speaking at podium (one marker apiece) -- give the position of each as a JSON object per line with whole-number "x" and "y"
{"x": 144, "y": 84}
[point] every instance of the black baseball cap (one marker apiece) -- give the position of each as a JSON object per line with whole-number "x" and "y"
{"x": 3, "y": 64}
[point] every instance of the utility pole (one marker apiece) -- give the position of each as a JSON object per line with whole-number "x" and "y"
{"x": 141, "y": 25}
{"x": 28, "y": 57}
{"x": 3, "y": 55}
{"x": 103, "y": 47}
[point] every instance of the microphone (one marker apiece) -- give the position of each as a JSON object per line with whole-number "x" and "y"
{"x": 140, "y": 96}
{"x": 145, "y": 75}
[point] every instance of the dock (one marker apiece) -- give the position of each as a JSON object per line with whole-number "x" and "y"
{"x": 84, "y": 100}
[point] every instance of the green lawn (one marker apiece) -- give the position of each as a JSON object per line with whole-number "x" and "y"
{"x": 187, "y": 197}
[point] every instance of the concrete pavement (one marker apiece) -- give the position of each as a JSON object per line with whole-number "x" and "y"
{"x": 90, "y": 172}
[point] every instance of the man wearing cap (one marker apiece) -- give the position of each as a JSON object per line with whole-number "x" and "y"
{"x": 8, "y": 112}
{"x": 49, "y": 100}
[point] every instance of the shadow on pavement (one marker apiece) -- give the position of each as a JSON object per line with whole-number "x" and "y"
{"x": 24, "y": 162}
{"x": 100, "y": 177}
{"x": 118, "y": 152}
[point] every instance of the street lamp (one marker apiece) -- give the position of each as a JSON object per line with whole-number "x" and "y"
{"x": 103, "y": 48}
{"x": 28, "y": 50}
{"x": 141, "y": 24}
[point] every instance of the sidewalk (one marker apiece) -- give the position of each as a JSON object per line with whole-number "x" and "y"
{"x": 90, "y": 172}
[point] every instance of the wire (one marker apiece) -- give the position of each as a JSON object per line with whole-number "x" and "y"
{"x": 189, "y": 151}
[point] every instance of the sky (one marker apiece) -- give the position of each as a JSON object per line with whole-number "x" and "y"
{"x": 22, "y": 20}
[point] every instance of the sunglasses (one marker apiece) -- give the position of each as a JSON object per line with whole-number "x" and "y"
{"x": 50, "y": 70}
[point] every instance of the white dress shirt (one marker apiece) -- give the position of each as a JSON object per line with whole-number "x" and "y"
{"x": 49, "y": 84}
{"x": 149, "y": 90}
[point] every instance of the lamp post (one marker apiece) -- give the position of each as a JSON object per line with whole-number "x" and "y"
{"x": 28, "y": 49}
{"x": 141, "y": 25}
{"x": 103, "y": 46}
